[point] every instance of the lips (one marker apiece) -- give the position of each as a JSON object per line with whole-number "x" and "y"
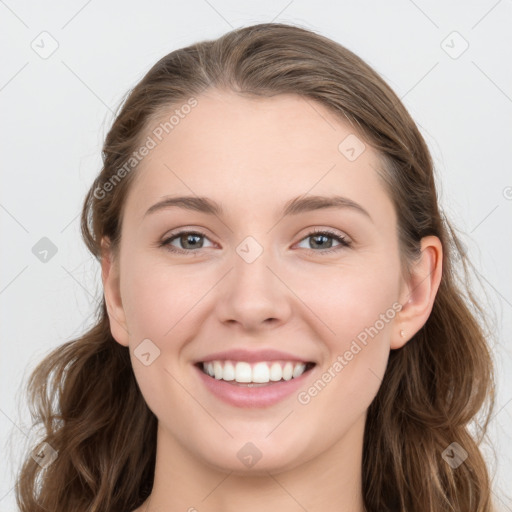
{"x": 251, "y": 394}
{"x": 254, "y": 378}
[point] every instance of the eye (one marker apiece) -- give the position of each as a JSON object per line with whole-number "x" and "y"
{"x": 189, "y": 240}
{"x": 321, "y": 240}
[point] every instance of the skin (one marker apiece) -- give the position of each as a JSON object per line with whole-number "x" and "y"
{"x": 234, "y": 150}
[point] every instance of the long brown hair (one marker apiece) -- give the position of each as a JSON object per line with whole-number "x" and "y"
{"x": 84, "y": 393}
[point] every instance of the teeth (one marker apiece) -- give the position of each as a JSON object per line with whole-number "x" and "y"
{"x": 261, "y": 372}
{"x": 288, "y": 371}
{"x": 276, "y": 372}
{"x": 217, "y": 370}
{"x": 228, "y": 372}
{"x": 242, "y": 372}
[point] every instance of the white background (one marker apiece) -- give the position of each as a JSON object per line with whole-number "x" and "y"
{"x": 56, "y": 112}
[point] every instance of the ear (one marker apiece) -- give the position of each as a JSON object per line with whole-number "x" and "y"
{"x": 419, "y": 292}
{"x": 111, "y": 286}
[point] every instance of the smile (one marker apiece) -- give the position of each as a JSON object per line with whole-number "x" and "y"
{"x": 254, "y": 385}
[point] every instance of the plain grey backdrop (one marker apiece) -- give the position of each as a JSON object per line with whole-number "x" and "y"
{"x": 64, "y": 69}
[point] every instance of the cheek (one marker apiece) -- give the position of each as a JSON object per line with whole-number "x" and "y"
{"x": 156, "y": 296}
{"x": 359, "y": 310}
{"x": 351, "y": 299}
{"x": 156, "y": 299}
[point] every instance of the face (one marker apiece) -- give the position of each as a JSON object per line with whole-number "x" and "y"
{"x": 254, "y": 276}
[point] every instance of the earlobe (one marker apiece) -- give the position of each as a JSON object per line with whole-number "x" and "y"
{"x": 111, "y": 287}
{"x": 419, "y": 292}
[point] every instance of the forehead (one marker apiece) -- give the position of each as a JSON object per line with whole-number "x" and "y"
{"x": 256, "y": 152}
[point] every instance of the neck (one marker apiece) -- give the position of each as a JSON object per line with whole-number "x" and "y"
{"x": 330, "y": 482}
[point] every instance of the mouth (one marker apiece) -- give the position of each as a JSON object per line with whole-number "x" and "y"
{"x": 255, "y": 374}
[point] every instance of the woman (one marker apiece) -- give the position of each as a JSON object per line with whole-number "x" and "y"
{"x": 282, "y": 322}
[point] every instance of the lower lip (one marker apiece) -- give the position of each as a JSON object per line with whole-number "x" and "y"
{"x": 244, "y": 396}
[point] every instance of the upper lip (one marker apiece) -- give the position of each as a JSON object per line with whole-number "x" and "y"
{"x": 252, "y": 356}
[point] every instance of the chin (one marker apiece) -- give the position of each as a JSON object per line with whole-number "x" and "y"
{"x": 254, "y": 458}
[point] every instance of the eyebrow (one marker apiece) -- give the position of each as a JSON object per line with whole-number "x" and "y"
{"x": 293, "y": 207}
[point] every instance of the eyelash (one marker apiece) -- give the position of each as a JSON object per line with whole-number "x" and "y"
{"x": 344, "y": 243}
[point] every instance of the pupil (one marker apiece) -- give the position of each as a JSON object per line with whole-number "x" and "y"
{"x": 320, "y": 236}
{"x": 186, "y": 238}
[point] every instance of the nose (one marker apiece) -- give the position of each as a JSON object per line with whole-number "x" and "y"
{"x": 253, "y": 295}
